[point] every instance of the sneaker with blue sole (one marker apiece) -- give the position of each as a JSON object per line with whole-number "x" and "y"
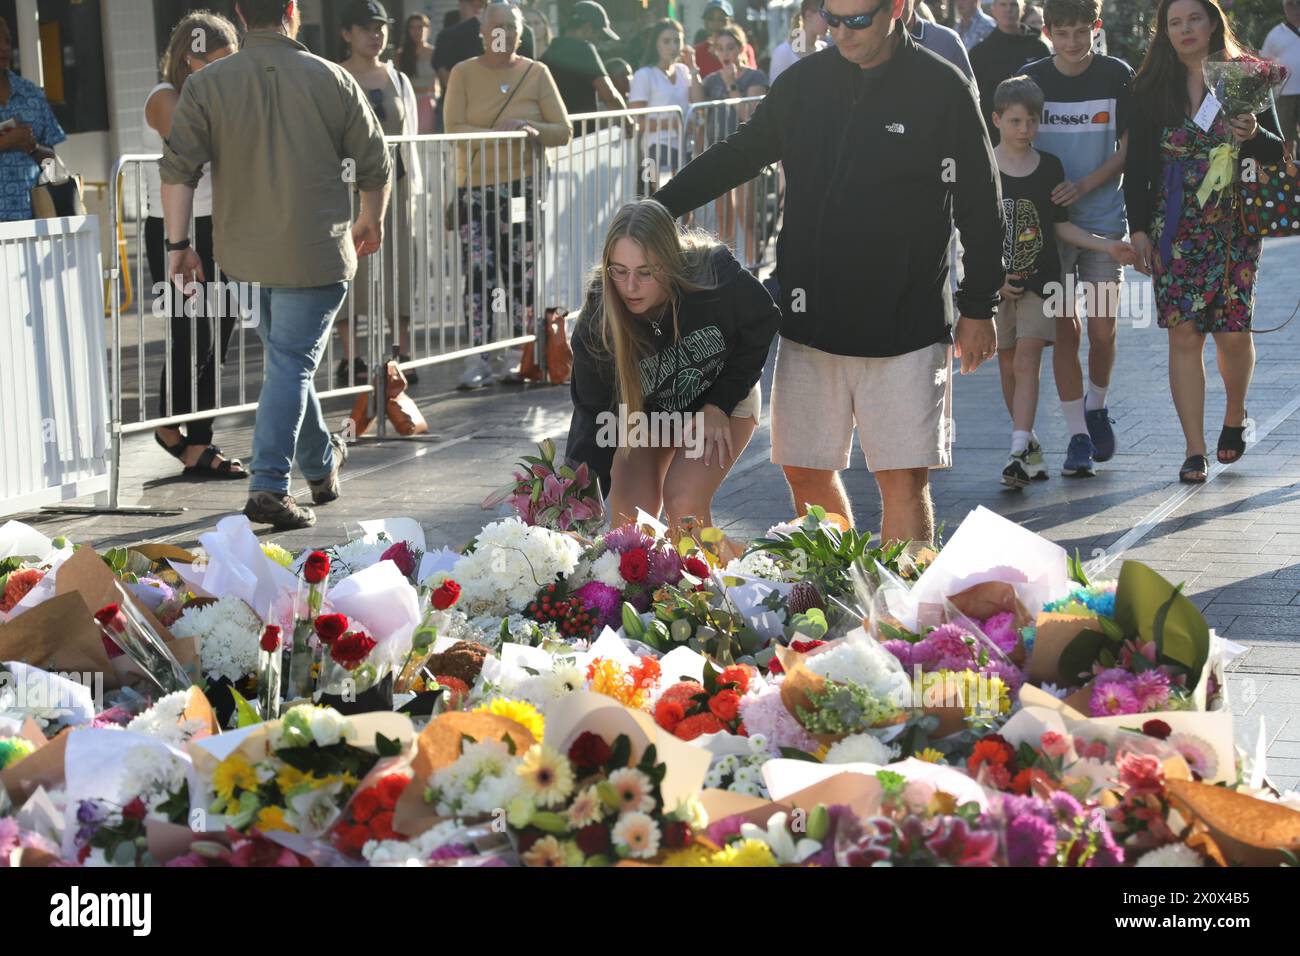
{"x": 1102, "y": 435}
{"x": 1078, "y": 458}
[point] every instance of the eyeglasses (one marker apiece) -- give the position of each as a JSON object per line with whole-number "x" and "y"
{"x": 623, "y": 273}
{"x": 861, "y": 21}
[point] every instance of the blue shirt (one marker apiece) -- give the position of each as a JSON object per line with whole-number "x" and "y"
{"x": 19, "y": 173}
{"x": 945, "y": 42}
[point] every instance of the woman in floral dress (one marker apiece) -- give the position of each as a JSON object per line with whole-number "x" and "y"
{"x": 1189, "y": 238}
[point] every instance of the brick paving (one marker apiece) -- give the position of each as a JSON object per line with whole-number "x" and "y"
{"x": 1234, "y": 542}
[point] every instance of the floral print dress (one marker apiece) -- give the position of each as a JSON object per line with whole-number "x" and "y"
{"x": 1205, "y": 270}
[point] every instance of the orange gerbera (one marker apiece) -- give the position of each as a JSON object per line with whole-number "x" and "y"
{"x": 988, "y": 751}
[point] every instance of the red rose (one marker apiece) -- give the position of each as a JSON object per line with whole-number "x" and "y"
{"x": 350, "y": 838}
{"x": 402, "y": 556}
{"x": 697, "y": 566}
{"x": 110, "y": 615}
{"x": 694, "y": 726}
{"x": 330, "y": 627}
{"x": 669, "y": 713}
{"x": 351, "y": 650}
{"x": 391, "y": 789}
{"x": 803, "y": 647}
{"x": 83, "y": 854}
{"x": 366, "y": 805}
{"x": 725, "y": 705}
{"x": 682, "y": 691}
{"x": 589, "y": 751}
{"x": 774, "y": 667}
{"x": 677, "y": 833}
{"x": 592, "y": 839}
{"x": 634, "y": 565}
{"x": 448, "y": 593}
{"x": 381, "y": 827}
{"x": 271, "y": 639}
{"x": 135, "y": 810}
{"x": 317, "y": 567}
{"x": 1157, "y": 729}
{"x": 738, "y": 675}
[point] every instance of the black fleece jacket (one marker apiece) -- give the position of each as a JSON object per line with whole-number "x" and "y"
{"x": 876, "y": 169}
{"x": 725, "y": 333}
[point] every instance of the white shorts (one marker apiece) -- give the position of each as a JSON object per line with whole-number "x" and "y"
{"x": 901, "y": 405}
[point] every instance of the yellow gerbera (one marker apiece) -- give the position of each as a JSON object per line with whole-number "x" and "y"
{"x": 272, "y": 818}
{"x": 740, "y": 853}
{"x": 929, "y": 755}
{"x": 547, "y": 775}
{"x": 520, "y": 711}
{"x": 290, "y": 777}
{"x": 233, "y": 773}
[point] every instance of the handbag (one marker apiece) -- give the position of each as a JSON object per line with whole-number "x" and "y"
{"x": 559, "y": 356}
{"x": 1270, "y": 203}
{"x": 403, "y": 414}
{"x": 449, "y": 214}
{"x": 58, "y": 197}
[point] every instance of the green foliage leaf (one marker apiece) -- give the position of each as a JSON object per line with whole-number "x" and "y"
{"x": 386, "y": 747}
{"x": 248, "y": 716}
{"x": 1080, "y": 654}
{"x": 621, "y": 752}
{"x": 794, "y": 753}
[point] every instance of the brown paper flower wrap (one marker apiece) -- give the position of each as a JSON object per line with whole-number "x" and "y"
{"x": 799, "y": 682}
{"x": 1234, "y": 829}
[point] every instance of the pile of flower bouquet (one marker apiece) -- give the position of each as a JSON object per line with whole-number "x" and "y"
{"x": 555, "y": 696}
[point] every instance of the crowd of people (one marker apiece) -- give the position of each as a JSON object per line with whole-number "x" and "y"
{"x": 866, "y": 107}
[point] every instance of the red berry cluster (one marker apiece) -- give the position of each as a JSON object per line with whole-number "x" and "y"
{"x": 567, "y": 613}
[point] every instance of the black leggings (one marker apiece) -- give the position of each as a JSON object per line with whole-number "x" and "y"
{"x": 199, "y": 432}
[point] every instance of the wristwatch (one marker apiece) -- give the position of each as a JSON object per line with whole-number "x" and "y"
{"x": 177, "y": 246}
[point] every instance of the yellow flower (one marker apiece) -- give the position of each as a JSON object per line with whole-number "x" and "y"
{"x": 929, "y": 755}
{"x": 233, "y": 773}
{"x": 821, "y": 752}
{"x": 741, "y": 853}
{"x": 545, "y": 852}
{"x": 290, "y": 777}
{"x": 611, "y": 679}
{"x": 547, "y": 775}
{"x": 272, "y": 818}
{"x": 277, "y": 554}
{"x": 520, "y": 711}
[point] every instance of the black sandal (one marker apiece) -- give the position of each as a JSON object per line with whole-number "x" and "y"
{"x": 232, "y": 469}
{"x": 177, "y": 450}
{"x": 1193, "y": 466}
{"x": 1232, "y": 440}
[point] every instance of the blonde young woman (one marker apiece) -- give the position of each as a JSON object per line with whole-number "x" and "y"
{"x": 193, "y": 447}
{"x": 672, "y": 323}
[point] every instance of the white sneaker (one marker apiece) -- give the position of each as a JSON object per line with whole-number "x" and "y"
{"x": 477, "y": 374}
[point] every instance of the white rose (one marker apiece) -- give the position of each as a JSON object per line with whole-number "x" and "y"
{"x": 327, "y": 726}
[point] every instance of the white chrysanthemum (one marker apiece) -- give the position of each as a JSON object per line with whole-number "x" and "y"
{"x": 227, "y": 633}
{"x": 605, "y": 570}
{"x": 163, "y": 721}
{"x": 511, "y": 560}
{"x": 348, "y": 559}
{"x": 863, "y": 662}
{"x": 151, "y": 773}
{"x": 861, "y": 748}
{"x": 1175, "y": 854}
{"x": 403, "y": 852}
{"x": 758, "y": 744}
{"x": 760, "y": 564}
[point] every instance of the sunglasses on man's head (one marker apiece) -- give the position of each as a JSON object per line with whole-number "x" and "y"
{"x": 860, "y": 21}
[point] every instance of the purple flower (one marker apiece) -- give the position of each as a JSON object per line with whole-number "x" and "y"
{"x": 1111, "y": 698}
{"x": 1152, "y": 689}
{"x": 957, "y": 843}
{"x": 113, "y": 717}
{"x": 188, "y": 860}
{"x": 1114, "y": 675}
{"x": 90, "y": 811}
{"x": 1065, "y": 806}
{"x": 626, "y": 538}
{"x": 601, "y": 598}
{"x": 665, "y": 567}
{"x": 1001, "y": 630}
{"x": 452, "y": 851}
{"x": 720, "y": 831}
{"x": 902, "y": 650}
{"x": 1109, "y": 853}
{"x": 1031, "y": 841}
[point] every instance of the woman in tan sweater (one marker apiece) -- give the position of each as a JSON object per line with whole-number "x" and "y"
{"x": 500, "y": 91}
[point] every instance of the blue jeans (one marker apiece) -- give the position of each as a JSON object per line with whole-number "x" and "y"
{"x": 294, "y": 326}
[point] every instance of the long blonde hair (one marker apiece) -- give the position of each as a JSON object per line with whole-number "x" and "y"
{"x": 211, "y": 31}
{"x": 683, "y": 262}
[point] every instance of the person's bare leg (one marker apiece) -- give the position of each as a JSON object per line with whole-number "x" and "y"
{"x": 1235, "y": 353}
{"x": 1187, "y": 382}
{"x": 1028, "y": 364}
{"x": 1007, "y": 372}
{"x": 817, "y": 487}
{"x": 637, "y": 481}
{"x": 1065, "y": 356}
{"x": 907, "y": 513}
{"x": 690, "y": 484}
{"x": 1102, "y": 340}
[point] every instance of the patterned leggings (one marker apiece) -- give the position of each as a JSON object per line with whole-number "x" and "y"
{"x": 498, "y": 260}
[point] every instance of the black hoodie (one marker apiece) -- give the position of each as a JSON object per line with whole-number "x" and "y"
{"x": 877, "y": 164}
{"x": 725, "y": 333}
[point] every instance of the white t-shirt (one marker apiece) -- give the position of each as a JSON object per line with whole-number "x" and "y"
{"x": 1283, "y": 45}
{"x": 784, "y": 57}
{"x": 153, "y": 143}
{"x": 651, "y": 85}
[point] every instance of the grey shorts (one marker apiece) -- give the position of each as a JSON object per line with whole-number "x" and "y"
{"x": 901, "y": 406}
{"x": 1090, "y": 268}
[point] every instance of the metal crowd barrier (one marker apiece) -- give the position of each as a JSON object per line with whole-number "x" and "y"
{"x": 484, "y": 232}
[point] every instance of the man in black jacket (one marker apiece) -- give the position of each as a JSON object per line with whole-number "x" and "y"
{"x": 1002, "y": 54}
{"x": 882, "y": 144}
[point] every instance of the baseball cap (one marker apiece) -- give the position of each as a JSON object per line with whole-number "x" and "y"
{"x": 588, "y": 11}
{"x": 722, "y": 5}
{"x": 360, "y": 12}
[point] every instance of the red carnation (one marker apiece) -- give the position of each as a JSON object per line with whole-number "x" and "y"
{"x": 682, "y": 691}
{"x": 803, "y": 647}
{"x": 382, "y": 826}
{"x": 774, "y": 667}
{"x": 447, "y": 594}
{"x": 111, "y": 620}
{"x": 669, "y": 713}
{"x": 589, "y": 751}
{"x": 694, "y": 726}
{"x": 317, "y": 567}
{"x": 677, "y": 833}
{"x": 1157, "y": 729}
{"x": 330, "y": 627}
{"x": 738, "y": 675}
{"x": 135, "y": 810}
{"x": 725, "y": 705}
{"x": 351, "y": 650}
{"x": 457, "y": 689}
{"x": 350, "y": 838}
{"x": 366, "y": 805}
{"x": 1021, "y": 782}
{"x": 592, "y": 839}
{"x": 391, "y": 789}
{"x": 271, "y": 639}
{"x": 634, "y": 565}
{"x": 697, "y": 566}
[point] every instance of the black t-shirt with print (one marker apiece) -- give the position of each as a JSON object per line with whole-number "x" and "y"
{"x": 1030, "y": 243}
